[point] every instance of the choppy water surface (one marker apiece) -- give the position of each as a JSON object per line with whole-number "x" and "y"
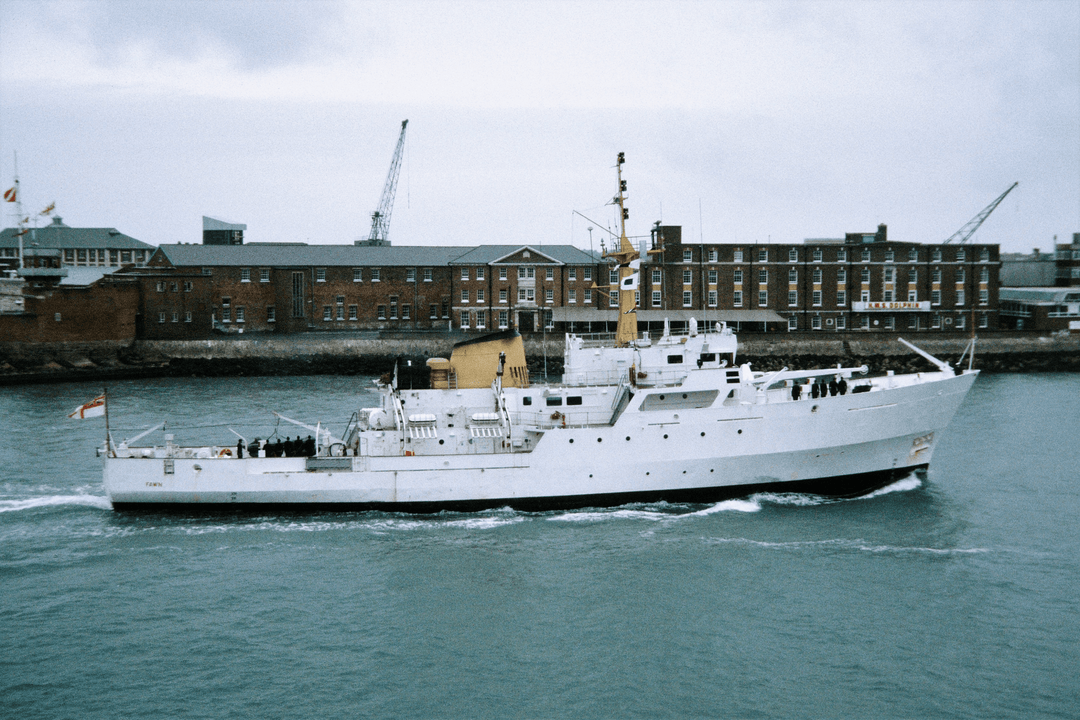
{"x": 954, "y": 597}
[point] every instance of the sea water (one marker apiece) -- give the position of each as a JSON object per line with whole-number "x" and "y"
{"x": 950, "y": 597}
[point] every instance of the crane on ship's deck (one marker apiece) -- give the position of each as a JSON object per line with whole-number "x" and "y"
{"x": 380, "y": 219}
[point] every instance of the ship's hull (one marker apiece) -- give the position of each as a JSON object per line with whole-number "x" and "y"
{"x": 840, "y": 445}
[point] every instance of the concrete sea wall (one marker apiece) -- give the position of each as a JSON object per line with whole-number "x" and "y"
{"x": 374, "y": 354}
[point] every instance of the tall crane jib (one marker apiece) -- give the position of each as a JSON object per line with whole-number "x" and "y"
{"x": 380, "y": 219}
{"x": 962, "y": 235}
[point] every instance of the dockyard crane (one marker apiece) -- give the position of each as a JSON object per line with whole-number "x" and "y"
{"x": 380, "y": 219}
{"x": 963, "y": 234}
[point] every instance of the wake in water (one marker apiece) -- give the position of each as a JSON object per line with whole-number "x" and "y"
{"x": 98, "y": 501}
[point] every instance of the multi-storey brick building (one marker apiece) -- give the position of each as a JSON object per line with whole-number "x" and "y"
{"x": 863, "y": 282}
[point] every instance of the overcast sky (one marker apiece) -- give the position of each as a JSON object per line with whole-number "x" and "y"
{"x": 741, "y": 121}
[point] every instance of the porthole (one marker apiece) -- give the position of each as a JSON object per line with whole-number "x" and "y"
{"x": 665, "y": 437}
{"x": 599, "y": 439}
{"x": 740, "y": 432}
{"x": 572, "y": 439}
{"x": 702, "y": 434}
{"x": 627, "y": 438}
{"x": 441, "y": 441}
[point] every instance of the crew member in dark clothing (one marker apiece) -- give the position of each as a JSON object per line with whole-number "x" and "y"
{"x": 309, "y": 447}
{"x": 833, "y": 389}
{"x": 842, "y": 386}
{"x": 253, "y": 448}
{"x": 815, "y": 390}
{"x": 796, "y": 391}
{"x": 239, "y": 448}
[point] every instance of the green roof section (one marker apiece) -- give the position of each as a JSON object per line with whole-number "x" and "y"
{"x": 59, "y": 236}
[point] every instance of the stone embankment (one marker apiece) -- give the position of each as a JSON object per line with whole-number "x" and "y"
{"x": 374, "y": 354}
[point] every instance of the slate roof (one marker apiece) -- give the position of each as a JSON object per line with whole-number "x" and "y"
{"x": 564, "y": 254}
{"x": 292, "y": 254}
{"x": 60, "y": 236}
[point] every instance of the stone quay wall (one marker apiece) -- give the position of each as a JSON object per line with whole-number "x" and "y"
{"x": 374, "y": 354}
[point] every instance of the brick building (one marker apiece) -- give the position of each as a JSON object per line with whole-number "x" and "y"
{"x": 863, "y": 282}
{"x": 1067, "y": 262}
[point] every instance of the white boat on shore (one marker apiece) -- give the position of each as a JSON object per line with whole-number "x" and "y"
{"x": 635, "y": 419}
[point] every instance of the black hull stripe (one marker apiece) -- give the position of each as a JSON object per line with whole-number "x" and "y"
{"x": 842, "y": 486}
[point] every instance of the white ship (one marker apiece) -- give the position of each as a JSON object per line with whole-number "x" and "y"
{"x": 635, "y": 419}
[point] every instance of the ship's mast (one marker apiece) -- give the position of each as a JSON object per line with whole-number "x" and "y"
{"x": 626, "y": 331}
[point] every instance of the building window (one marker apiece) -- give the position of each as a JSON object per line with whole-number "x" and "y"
{"x": 161, "y": 317}
{"x": 226, "y": 309}
{"x": 446, "y": 310}
{"x": 737, "y": 298}
{"x": 935, "y": 297}
{"x": 463, "y": 320}
{"x": 913, "y": 277}
{"x": 465, "y": 276}
{"x": 327, "y": 313}
{"x": 657, "y": 277}
{"x": 737, "y": 256}
{"x": 427, "y": 274}
{"x": 587, "y": 274}
{"x": 865, "y": 275}
{"x": 480, "y": 295}
{"x": 687, "y": 277}
{"x": 913, "y": 255}
{"x": 841, "y": 298}
{"x": 793, "y": 255}
{"x": 793, "y": 322}
{"x": 340, "y": 314}
{"x": 588, "y": 296}
{"x": 320, "y": 274}
{"x": 912, "y": 295}
{"x": 890, "y": 274}
{"x": 381, "y": 312}
{"x": 959, "y": 297}
{"x": 571, "y": 296}
{"x": 817, "y": 254}
{"x": 481, "y": 320}
{"x": 187, "y": 316}
{"x": 352, "y": 313}
{"x": 240, "y": 313}
{"x": 688, "y": 255}
{"x": 712, "y": 277}
{"x": 763, "y": 256}
{"x": 984, "y": 274}
{"x": 503, "y": 319}
{"x": 393, "y": 307}
{"x": 984, "y": 321}
{"x": 712, "y": 255}
{"x": 264, "y": 275}
{"x": 712, "y": 298}
{"x": 410, "y": 274}
{"x": 817, "y": 298}
{"x": 479, "y": 274}
{"x": 792, "y": 298}
{"x": 340, "y": 300}
{"x": 358, "y": 275}
{"x": 960, "y": 275}
{"x": 890, "y": 323}
{"x": 464, "y": 296}
{"x": 866, "y": 255}
{"x": 549, "y": 296}
{"x": 245, "y": 274}
{"x": 960, "y": 322}
{"x": 817, "y": 276}
{"x": 434, "y": 312}
{"x": 864, "y": 322}
{"x": 503, "y": 294}
{"x": 613, "y": 277}
{"x": 376, "y": 274}
{"x": 984, "y": 256}
{"x": 841, "y": 275}
{"x": 502, "y": 273}
{"x": 890, "y": 256}
{"x": 793, "y": 275}
{"x": 656, "y": 298}
{"x": 815, "y": 322}
{"x": 687, "y": 298}
{"x": 864, "y": 296}
{"x": 175, "y": 316}
{"x": 161, "y": 286}
{"x": 887, "y": 295}
{"x": 841, "y": 255}
{"x": 961, "y": 255}
{"x": 935, "y": 322}
{"x": 913, "y": 322}
{"x": 737, "y": 276}
{"x": 549, "y": 274}
{"x": 571, "y": 274}
{"x": 614, "y": 298}
{"x": 936, "y": 257}
{"x": 841, "y": 322}
{"x": 935, "y": 275}
{"x": 762, "y": 276}
{"x": 406, "y": 312}
{"x": 763, "y": 298}
{"x": 984, "y": 297}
